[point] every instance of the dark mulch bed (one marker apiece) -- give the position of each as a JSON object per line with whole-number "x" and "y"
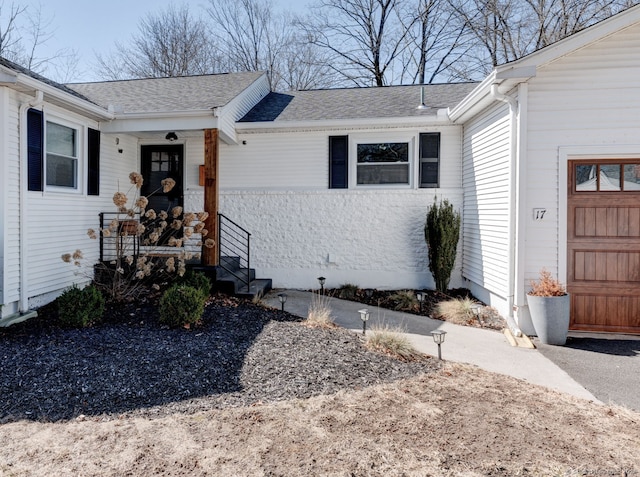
{"x": 241, "y": 354}
{"x": 396, "y": 300}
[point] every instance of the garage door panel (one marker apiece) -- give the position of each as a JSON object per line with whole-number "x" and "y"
{"x": 603, "y": 245}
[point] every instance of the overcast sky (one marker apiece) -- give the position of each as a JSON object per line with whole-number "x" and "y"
{"x": 94, "y": 26}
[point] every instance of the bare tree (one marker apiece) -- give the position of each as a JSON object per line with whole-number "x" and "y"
{"x": 255, "y": 37}
{"x": 170, "y": 43}
{"x": 23, "y": 31}
{"x": 436, "y": 41}
{"x": 365, "y": 38}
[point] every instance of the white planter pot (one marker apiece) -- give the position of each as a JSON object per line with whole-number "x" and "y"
{"x": 550, "y": 316}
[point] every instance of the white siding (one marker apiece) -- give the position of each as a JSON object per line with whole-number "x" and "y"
{"x": 588, "y": 101}
{"x": 241, "y": 105}
{"x": 276, "y": 186}
{"x": 4, "y": 189}
{"x": 486, "y": 158}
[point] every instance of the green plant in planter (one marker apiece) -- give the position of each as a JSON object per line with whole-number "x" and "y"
{"x": 549, "y": 307}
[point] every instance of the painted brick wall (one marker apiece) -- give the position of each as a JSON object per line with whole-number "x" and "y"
{"x": 370, "y": 238}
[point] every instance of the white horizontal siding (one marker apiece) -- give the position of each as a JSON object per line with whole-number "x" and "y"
{"x": 58, "y": 222}
{"x": 300, "y": 160}
{"x": 486, "y": 158}
{"x": 588, "y": 99}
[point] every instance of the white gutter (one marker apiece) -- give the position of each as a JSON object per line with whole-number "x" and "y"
{"x": 422, "y": 120}
{"x": 24, "y": 210}
{"x": 513, "y": 201}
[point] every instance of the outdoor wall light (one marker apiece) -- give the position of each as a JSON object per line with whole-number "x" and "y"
{"x": 283, "y": 299}
{"x": 171, "y": 136}
{"x": 438, "y": 338}
{"x": 321, "y": 280}
{"x": 364, "y": 316}
{"x": 420, "y": 297}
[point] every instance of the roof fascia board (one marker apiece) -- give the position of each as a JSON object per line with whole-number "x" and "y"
{"x": 578, "y": 40}
{"x": 63, "y": 98}
{"x": 8, "y": 77}
{"x": 159, "y": 123}
{"x": 436, "y": 120}
{"x": 474, "y": 98}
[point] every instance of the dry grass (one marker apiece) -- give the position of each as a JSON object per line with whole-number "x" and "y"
{"x": 458, "y": 310}
{"x": 405, "y": 300}
{"x": 319, "y": 315}
{"x": 391, "y": 341}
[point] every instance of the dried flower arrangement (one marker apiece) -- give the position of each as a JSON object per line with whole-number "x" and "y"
{"x": 546, "y": 285}
{"x": 126, "y": 274}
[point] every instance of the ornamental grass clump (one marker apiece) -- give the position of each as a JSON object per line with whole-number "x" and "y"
{"x": 319, "y": 314}
{"x": 391, "y": 341}
{"x": 457, "y": 310}
{"x": 146, "y": 246}
{"x": 405, "y": 300}
{"x": 182, "y": 305}
{"x": 546, "y": 285}
{"x": 80, "y": 307}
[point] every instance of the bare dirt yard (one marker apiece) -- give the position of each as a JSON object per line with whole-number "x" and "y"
{"x": 301, "y": 402}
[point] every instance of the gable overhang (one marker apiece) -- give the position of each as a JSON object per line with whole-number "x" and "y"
{"x": 150, "y": 122}
{"x": 438, "y": 119}
{"x": 508, "y": 76}
{"x": 31, "y": 86}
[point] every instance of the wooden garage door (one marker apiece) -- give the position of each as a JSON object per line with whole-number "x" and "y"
{"x": 604, "y": 245}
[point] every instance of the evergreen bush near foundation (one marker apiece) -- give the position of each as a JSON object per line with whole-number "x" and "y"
{"x": 441, "y": 232}
{"x": 182, "y": 305}
{"x": 79, "y": 308}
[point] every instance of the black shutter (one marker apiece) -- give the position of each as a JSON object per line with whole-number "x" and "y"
{"x": 34, "y": 149}
{"x": 338, "y": 162}
{"x": 93, "y": 151}
{"x": 430, "y": 160}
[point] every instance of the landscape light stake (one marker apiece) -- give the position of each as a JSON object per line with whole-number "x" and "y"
{"x": 364, "y": 316}
{"x": 420, "y": 297}
{"x": 438, "y": 338}
{"x": 368, "y": 292}
{"x": 321, "y": 280}
{"x": 283, "y": 299}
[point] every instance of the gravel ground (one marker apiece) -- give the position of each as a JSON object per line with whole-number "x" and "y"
{"x": 241, "y": 354}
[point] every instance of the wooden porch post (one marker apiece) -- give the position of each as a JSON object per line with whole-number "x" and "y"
{"x": 211, "y": 199}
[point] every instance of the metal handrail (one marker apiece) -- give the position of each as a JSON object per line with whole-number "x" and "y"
{"x": 234, "y": 241}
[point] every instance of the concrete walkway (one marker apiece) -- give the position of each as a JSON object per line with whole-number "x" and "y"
{"x": 487, "y": 349}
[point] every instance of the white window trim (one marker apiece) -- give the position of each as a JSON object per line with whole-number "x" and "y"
{"x": 354, "y": 140}
{"x": 81, "y": 134}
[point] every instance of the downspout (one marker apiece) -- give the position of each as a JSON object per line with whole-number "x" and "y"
{"x": 513, "y": 203}
{"x": 24, "y": 210}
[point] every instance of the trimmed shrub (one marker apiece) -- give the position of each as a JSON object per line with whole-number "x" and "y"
{"x": 79, "y": 308}
{"x": 441, "y": 232}
{"x": 348, "y": 291}
{"x": 405, "y": 300}
{"x": 196, "y": 280}
{"x": 182, "y": 305}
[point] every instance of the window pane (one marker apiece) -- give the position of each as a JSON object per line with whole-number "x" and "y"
{"x": 631, "y": 177}
{"x": 586, "y": 177}
{"x": 430, "y": 145}
{"x": 61, "y": 171}
{"x": 61, "y": 140}
{"x": 609, "y": 177}
{"x": 429, "y": 174}
{"x": 384, "y": 152}
{"x": 383, "y": 174}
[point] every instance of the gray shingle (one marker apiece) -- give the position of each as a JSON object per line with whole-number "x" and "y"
{"x": 187, "y": 93}
{"x": 357, "y": 103}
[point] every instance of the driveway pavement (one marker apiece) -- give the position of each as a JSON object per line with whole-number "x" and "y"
{"x": 606, "y": 365}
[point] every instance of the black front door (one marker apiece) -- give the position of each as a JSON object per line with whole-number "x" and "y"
{"x": 158, "y": 163}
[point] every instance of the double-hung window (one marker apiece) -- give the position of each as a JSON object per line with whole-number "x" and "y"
{"x": 383, "y": 163}
{"x": 62, "y": 156}
{"x": 56, "y": 157}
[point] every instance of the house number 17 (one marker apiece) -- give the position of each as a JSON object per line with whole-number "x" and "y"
{"x": 538, "y": 214}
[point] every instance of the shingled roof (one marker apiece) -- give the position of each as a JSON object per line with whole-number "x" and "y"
{"x": 355, "y": 103}
{"x": 152, "y": 95}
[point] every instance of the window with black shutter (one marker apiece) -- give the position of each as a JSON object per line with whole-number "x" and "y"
{"x": 34, "y": 149}
{"x": 338, "y": 162}
{"x": 430, "y": 160}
